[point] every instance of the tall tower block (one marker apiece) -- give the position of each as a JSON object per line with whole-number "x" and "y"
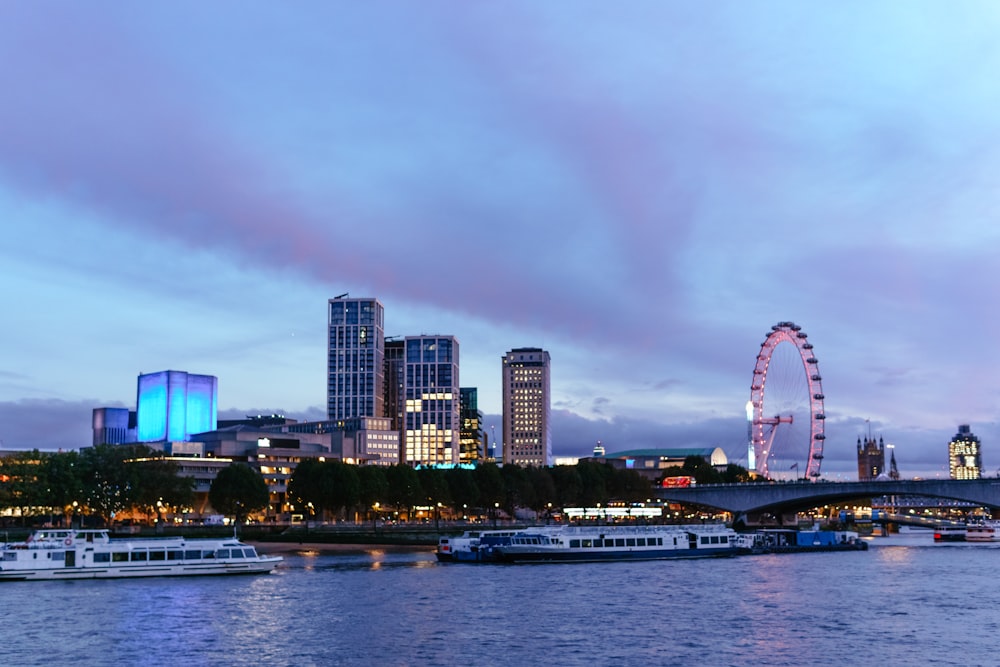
{"x": 527, "y": 435}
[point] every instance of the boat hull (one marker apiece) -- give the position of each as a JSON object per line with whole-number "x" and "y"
{"x": 52, "y": 574}
{"x": 507, "y": 555}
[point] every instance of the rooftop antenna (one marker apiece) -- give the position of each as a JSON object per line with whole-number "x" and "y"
{"x": 341, "y": 296}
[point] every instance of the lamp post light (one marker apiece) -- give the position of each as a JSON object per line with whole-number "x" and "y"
{"x": 496, "y": 511}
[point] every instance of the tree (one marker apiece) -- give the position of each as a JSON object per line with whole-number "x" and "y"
{"x": 734, "y": 474}
{"x": 341, "y": 486}
{"x": 593, "y": 483}
{"x": 568, "y": 485}
{"x": 304, "y": 484}
{"x": 434, "y": 487}
{"x": 540, "y": 480}
{"x": 62, "y": 481}
{"x": 701, "y": 470}
{"x": 462, "y": 488}
{"x": 404, "y": 487}
{"x": 374, "y": 488}
{"x": 517, "y": 487}
{"x": 109, "y": 483}
{"x": 237, "y": 491}
{"x": 491, "y": 485}
{"x": 161, "y": 485}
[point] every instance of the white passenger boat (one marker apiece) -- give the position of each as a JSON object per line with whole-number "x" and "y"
{"x": 982, "y": 532}
{"x": 602, "y": 543}
{"x": 92, "y": 554}
{"x": 472, "y": 545}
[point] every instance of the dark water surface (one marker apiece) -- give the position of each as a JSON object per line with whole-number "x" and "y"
{"x": 906, "y": 601}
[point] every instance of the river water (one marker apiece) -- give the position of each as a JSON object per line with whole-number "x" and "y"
{"x": 906, "y": 601}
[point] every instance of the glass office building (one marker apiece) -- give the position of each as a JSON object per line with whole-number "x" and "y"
{"x": 431, "y": 401}
{"x": 355, "y": 359}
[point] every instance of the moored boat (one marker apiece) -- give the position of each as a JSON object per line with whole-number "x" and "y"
{"x": 949, "y": 533}
{"x": 472, "y": 545}
{"x": 611, "y": 543}
{"x": 982, "y": 532}
{"x": 92, "y": 554}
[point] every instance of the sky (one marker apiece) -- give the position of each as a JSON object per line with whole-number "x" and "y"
{"x": 642, "y": 190}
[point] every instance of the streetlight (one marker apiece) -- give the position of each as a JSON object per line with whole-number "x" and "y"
{"x": 496, "y": 510}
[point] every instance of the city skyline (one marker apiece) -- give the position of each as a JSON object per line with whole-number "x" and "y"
{"x": 641, "y": 193}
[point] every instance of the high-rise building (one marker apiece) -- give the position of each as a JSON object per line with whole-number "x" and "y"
{"x": 871, "y": 459}
{"x": 431, "y": 401}
{"x": 355, "y": 359}
{"x": 964, "y": 457}
{"x": 473, "y": 443}
{"x": 171, "y": 405}
{"x": 527, "y": 437}
{"x": 394, "y": 367}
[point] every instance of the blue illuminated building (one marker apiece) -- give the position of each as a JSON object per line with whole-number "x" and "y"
{"x": 172, "y": 405}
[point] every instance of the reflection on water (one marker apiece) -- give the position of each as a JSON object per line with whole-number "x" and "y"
{"x": 385, "y": 607}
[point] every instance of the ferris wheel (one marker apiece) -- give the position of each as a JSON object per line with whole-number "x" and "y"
{"x": 785, "y": 413}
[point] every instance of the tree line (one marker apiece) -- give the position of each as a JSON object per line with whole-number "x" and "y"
{"x": 107, "y": 480}
{"x": 333, "y": 488}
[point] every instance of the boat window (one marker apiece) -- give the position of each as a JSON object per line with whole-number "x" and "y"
{"x": 598, "y": 543}
{"x": 58, "y": 555}
{"x": 574, "y": 544}
{"x": 222, "y": 553}
{"x": 119, "y": 557}
{"x": 630, "y": 541}
{"x": 725, "y": 539}
{"x": 192, "y": 555}
{"x": 102, "y": 557}
{"x": 619, "y": 541}
{"x": 640, "y": 542}
{"x": 175, "y": 555}
{"x": 138, "y": 556}
{"x": 587, "y": 544}
{"x": 249, "y": 553}
{"x": 704, "y": 539}
{"x": 157, "y": 555}
{"x": 10, "y": 555}
{"x": 208, "y": 554}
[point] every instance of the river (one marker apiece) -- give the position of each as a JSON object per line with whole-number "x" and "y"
{"x": 905, "y": 601}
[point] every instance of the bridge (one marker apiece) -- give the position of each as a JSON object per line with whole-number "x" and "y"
{"x": 776, "y": 498}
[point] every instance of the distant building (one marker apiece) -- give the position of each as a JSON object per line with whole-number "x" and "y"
{"x": 651, "y": 462}
{"x": 871, "y": 459}
{"x": 893, "y": 470}
{"x": 257, "y": 420}
{"x": 527, "y": 435}
{"x": 171, "y": 405}
{"x": 355, "y": 358}
{"x": 359, "y": 440}
{"x": 113, "y": 426}
{"x": 472, "y": 447}
{"x": 964, "y": 457}
{"x": 431, "y": 401}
